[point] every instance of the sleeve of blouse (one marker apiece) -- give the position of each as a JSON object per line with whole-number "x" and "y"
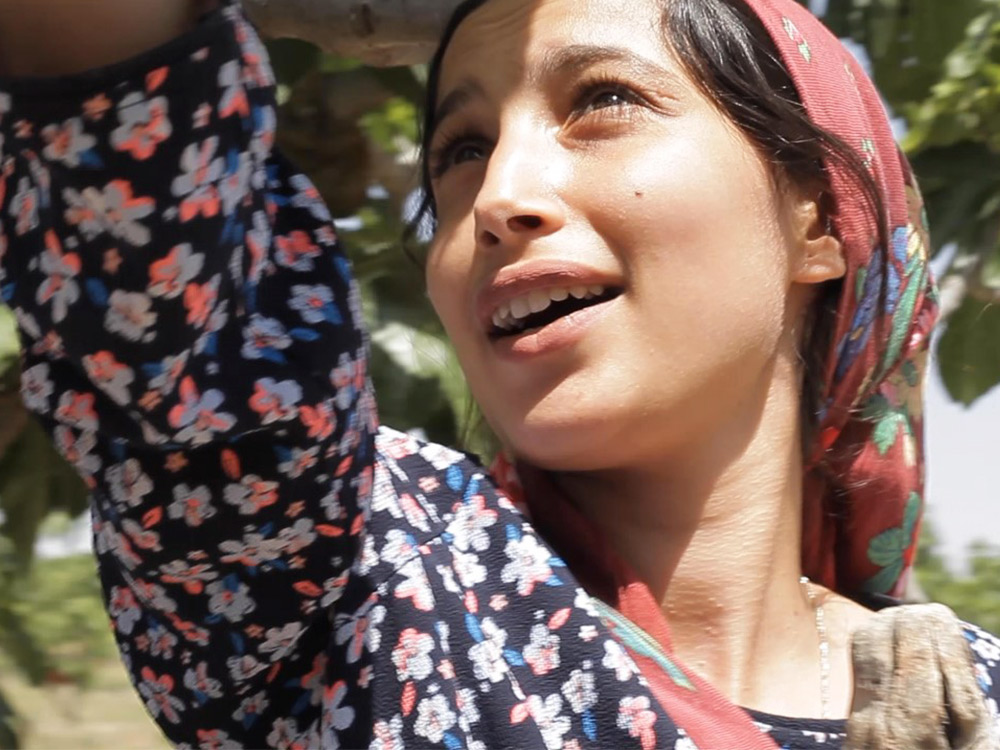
{"x": 191, "y": 341}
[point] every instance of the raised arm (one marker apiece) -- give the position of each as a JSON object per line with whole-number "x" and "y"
{"x": 54, "y": 37}
{"x": 192, "y": 342}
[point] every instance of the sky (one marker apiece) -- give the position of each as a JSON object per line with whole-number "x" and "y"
{"x": 963, "y": 458}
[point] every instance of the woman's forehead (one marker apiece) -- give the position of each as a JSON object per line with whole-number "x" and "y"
{"x": 516, "y": 39}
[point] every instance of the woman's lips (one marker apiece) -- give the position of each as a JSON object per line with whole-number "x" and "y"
{"x": 561, "y": 333}
{"x": 513, "y": 282}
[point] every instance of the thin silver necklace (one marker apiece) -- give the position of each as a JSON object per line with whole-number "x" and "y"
{"x": 824, "y": 646}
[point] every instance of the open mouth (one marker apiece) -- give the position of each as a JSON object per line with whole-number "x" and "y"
{"x": 540, "y": 308}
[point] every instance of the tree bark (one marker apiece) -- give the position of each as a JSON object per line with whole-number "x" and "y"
{"x": 378, "y": 32}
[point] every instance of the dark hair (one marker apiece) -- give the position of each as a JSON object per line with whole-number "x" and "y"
{"x": 729, "y": 54}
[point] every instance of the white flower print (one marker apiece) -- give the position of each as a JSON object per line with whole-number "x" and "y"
{"x": 579, "y": 691}
{"x": 157, "y": 692}
{"x": 234, "y": 97}
{"x": 528, "y": 566}
{"x": 161, "y": 642}
{"x": 235, "y": 183}
{"x": 251, "y": 706}
{"x": 399, "y": 546}
{"x": 285, "y": 735}
{"x": 263, "y": 337}
{"x": 251, "y": 494}
{"x": 59, "y": 287}
{"x": 110, "y": 375}
{"x": 36, "y": 388}
{"x": 197, "y": 417}
{"x": 129, "y": 315}
{"x": 465, "y": 700}
{"x": 314, "y": 302}
{"x": 335, "y": 715}
{"x": 276, "y": 401}
{"x": 299, "y": 462}
{"x": 198, "y": 679}
{"x": 412, "y": 655}
{"x": 388, "y": 735}
{"x": 197, "y": 182}
{"x": 253, "y": 550}
{"x": 488, "y": 662}
{"x": 194, "y": 505}
{"x": 542, "y": 651}
{"x": 65, "y": 143}
{"x": 113, "y": 210}
{"x": 128, "y": 483}
{"x": 77, "y": 410}
{"x": 548, "y": 716}
{"x": 434, "y": 718}
{"x": 467, "y": 568}
{"x": 24, "y": 207}
{"x": 143, "y": 125}
{"x": 360, "y": 628}
{"x": 243, "y": 668}
{"x": 280, "y": 641}
{"x": 230, "y": 598}
{"x": 308, "y": 197}
{"x": 472, "y": 518}
{"x": 637, "y": 718}
{"x": 987, "y": 647}
{"x": 415, "y": 585}
{"x": 171, "y": 274}
{"x": 298, "y": 536}
{"x": 124, "y": 609}
{"x": 616, "y": 658}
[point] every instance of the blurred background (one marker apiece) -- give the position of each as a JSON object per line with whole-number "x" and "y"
{"x": 353, "y": 129}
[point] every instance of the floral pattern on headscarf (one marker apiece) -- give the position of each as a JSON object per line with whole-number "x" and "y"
{"x": 865, "y": 478}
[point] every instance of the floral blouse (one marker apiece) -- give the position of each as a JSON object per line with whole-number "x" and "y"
{"x": 280, "y": 571}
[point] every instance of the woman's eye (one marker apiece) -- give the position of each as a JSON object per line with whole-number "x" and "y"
{"x": 464, "y": 152}
{"x": 607, "y": 97}
{"x": 455, "y": 152}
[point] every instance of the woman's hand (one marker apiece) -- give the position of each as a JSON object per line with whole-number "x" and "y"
{"x": 54, "y": 37}
{"x": 914, "y": 685}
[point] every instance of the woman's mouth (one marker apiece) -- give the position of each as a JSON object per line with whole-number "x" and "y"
{"x": 539, "y": 308}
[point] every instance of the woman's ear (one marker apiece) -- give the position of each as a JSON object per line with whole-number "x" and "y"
{"x": 819, "y": 253}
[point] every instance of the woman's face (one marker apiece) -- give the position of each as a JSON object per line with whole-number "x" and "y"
{"x": 613, "y": 262}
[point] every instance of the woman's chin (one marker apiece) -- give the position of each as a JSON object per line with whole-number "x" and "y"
{"x": 562, "y": 446}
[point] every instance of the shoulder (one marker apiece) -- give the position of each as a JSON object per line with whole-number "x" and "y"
{"x": 426, "y": 496}
{"x": 985, "y": 649}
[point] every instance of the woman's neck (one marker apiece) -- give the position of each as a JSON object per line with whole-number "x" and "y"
{"x": 715, "y": 534}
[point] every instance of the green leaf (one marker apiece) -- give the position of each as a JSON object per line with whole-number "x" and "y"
{"x": 887, "y": 548}
{"x": 969, "y": 353}
{"x": 911, "y": 514}
{"x": 887, "y": 432}
{"x": 883, "y": 581}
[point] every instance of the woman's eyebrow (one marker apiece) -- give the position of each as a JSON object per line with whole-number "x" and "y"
{"x": 457, "y": 98}
{"x": 575, "y": 58}
{"x": 572, "y": 58}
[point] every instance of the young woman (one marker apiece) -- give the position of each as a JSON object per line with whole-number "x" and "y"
{"x": 683, "y": 265}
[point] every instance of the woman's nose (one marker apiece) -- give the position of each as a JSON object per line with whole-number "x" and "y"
{"x": 517, "y": 201}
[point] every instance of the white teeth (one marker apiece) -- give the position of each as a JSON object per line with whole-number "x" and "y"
{"x": 538, "y": 301}
{"x": 509, "y": 315}
{"x": 520, "y": 308}
{"x": 558, "y": 295}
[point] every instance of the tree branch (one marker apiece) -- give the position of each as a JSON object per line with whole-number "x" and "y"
{"x": 378, "y": 32}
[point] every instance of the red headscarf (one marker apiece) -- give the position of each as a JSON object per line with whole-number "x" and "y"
{"x": 864, "y": 477}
